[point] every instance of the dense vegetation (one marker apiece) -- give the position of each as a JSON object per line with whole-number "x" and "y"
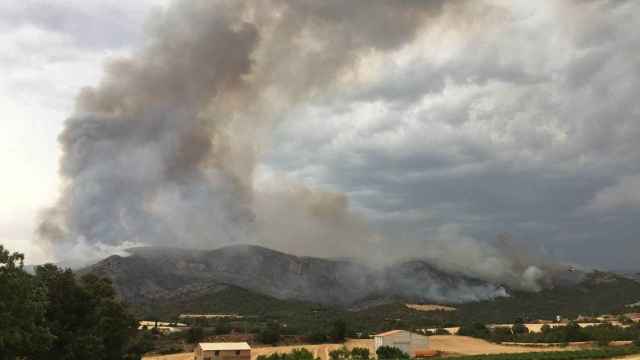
{"x": 602, "y": 334}
{"x": 601, "y": 353}
{"x": 391, "y": 353}
{"x": 353, "y": 354}
{"x": 54, "y": 315}
{"x": 599, "y": 293}
{"x": 339, "y": 354}
{"x": 296, "y": 354}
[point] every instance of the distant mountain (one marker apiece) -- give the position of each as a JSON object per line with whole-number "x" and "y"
{"x": 153, "y": 274}
{"x": 256, "y": 281}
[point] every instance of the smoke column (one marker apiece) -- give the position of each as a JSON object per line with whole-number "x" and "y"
{"x": 163, "y": 151}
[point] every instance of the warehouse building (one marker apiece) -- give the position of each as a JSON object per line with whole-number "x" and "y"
{"x": 406, "y": 341}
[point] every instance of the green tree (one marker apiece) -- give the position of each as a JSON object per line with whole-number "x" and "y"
{"x": 222, "y": 328}
{"x": 478, "y": 330}
{"x": 340, "y": 354}
{"x": 339, "y": 330}
{"x": 519, "y": 328}
{"x": 317, "y": 336}
{"x": 270, "y": 334}
{"x": 573, "y": 332}
{"x": 300, "y": 354}
{"x": 360, "y": 354}
{"x": 390, "y": 352}
{"x": 141, "y": 344}
{"x": 85, "y": 317}
{"x": 23, "y": 302}
{"x": 194, "y": 335}
{"x": 296, "y": 354}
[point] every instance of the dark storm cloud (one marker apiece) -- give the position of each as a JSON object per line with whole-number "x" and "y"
{"x": 528, "y": 126}
{"x": 167, "y": 148}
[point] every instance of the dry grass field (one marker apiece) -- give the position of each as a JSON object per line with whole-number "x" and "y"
{"x": 452, "y": 345}
{"x": 464, "y": 345}
{"x": 430, "y": 307}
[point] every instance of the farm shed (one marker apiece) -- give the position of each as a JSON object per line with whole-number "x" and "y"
{"x": 406, "y": 341}
{"x": 223, "y": 351}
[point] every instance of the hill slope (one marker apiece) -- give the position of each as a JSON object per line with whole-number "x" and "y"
{"x": 152, "y": 274}
{"x": 255, "y": 281}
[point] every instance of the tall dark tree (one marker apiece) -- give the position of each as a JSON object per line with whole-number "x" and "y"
{"x": 23, "y": 330}
{"x": 85, "y": 317}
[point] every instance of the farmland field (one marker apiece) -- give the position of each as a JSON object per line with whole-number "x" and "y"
{"x": 453, "y": 345}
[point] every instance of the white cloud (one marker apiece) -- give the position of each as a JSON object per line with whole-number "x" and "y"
{"x": 522, "y": 116}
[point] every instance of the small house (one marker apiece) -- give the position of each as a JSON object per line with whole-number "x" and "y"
{"x": 223, "y": 351}
{"x": 410, "y": 343}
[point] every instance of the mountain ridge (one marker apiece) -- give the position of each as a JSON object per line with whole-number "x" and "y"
{"x": 154, "y": 273}
{"x": 255, "y": 281}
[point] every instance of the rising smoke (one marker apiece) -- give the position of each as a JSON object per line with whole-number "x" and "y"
{"x": 164, "y": 150}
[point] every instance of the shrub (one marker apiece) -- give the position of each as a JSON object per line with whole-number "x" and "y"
{"x": 270, "y": 335}
{"x": 389, "y": 352}
{"x": 171, "y": 350}
{"x": 317, "y": 337}
{"x": 194, "y": 335}
{"x": 478, "y": 330}
{"x": 360, "y": 354}
{"x": 340, "y": 354}
{"x": 296, "y": 354}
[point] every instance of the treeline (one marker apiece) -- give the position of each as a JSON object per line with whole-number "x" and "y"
{"x": 53, "y": 315}
{"x": 383, "y": 353}
{"x": 271, "y": 332}
{"x": 601, "y": 353}
{"x": 598, "y": 293}
{"x": 602, "y": 334}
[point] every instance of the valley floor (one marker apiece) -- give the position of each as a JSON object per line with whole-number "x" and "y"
{"x": 453, "y": 345}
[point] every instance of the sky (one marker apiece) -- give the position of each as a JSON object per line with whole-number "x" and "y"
{"x": 523, "y": 119}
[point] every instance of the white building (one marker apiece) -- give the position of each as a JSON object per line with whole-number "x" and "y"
{"x": 223, "y": 351}
{"x": 404, "y": 340}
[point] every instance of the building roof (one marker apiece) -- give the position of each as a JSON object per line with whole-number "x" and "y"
{"x": 224, "y": 346}
{"x": 392, "y": 332}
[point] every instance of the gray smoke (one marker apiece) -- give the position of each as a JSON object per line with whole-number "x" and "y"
{"x": 164, "y": 150}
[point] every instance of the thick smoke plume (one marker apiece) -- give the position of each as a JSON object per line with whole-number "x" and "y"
{"x": 164, "y": 150}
